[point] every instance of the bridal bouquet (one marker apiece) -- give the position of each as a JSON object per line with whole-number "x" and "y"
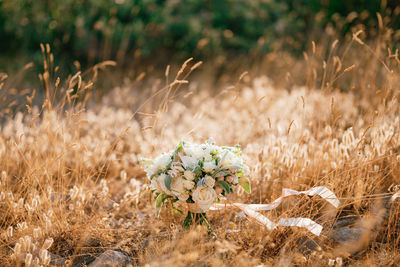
{"x": 196, "y": 175}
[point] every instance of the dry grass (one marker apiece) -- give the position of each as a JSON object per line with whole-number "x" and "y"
{"x": 71, "y": 183}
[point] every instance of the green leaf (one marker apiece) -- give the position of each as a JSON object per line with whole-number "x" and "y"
{"x": 159, "y": 201}
{"x": 225, "y": 186}
{"x": 239, "y": 174}
{"x": 177, "y": 149}
{"x": 179, "y": 146}
{"x": 167, "y": 182}
{"x": 245, "y": 183}
{"x": 197, "y": 171}
{"x": 178, "y": 211}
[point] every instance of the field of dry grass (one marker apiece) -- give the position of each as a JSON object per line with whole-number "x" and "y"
{"x": 71, "y": 183}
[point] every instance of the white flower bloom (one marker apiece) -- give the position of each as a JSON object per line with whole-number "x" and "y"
{"x": 189, "y": 162}
{"x": 176, "y": 169}
{"x": 160, "y": 163}
{"x": 210, "y": 182}
{"x": 161, "y": 182}
{"x": 233, "y": 179}
{"x": 193, "y": 151}
{"x": 246, "y": 170}
{"x": 148, "y": 166}
{"x": 207, "y": 149}
{"x": 154, "y": 185}
{"x": 182, "y": 176}
{"x": 231, "y": 159}
{"x": 198, "y": 151}
{"x": 188, "y": 184}
{"x": 208, "y": 157}
{"x": 209, "y": 166}
{"x": 204, "y": 197}
{"x": 177, "y": 185}
{"x": 189, "y": 175}
{"x": 183, "y": 196}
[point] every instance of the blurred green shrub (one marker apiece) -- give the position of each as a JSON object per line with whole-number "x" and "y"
{"x": 93, "y": 30}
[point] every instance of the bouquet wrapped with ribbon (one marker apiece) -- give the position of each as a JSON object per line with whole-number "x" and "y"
{"x": 195, "y": 176}
{"x": 199, "y": 176}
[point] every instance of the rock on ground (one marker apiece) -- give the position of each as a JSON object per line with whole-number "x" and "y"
{"x": 111, "y": 258}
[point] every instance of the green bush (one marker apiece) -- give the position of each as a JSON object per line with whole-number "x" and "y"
{"x": 94, "y": 30}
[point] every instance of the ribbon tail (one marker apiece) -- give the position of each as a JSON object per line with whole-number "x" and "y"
{"x": 322, "y": 191}
{"x": 395, "y": 196}
{"x": 257, "y": 216}
{"x": 307, "y": 223}
{"x": 251, "y": 210}
{"x": 325, "y": 193}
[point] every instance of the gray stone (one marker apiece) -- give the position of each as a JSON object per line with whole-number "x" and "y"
{"x": 56, "y": 260}
{"x": 307, "y": 245}
{"x": 345, "y": 222}
{"x": 111, "y": 258}
{"x": 346, "y": 234}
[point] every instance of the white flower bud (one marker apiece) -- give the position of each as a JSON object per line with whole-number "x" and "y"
{"x": 209, "y": 166}
{"x": 183, "y": 196}
{"x": 189, "y": 175}
{"x": 188, "y": 184}
{"x": 210, "y": 182}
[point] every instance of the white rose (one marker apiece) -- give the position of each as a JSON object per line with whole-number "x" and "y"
{"x": 161, "y": 183}
{"x": 210, "y": 182}
{"x": 176, "y": 169}
{"x": 177, "y": 186}
{"x": 209, "y": 166}
{"x": 189, "y": 175}
{"x": 188, "y": 184}
{"x": 204, "y": 197}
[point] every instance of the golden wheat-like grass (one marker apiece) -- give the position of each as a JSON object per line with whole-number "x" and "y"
{"x": 71, "y": 183}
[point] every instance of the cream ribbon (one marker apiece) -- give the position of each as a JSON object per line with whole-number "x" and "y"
{"x": 395, "y": 196}
{"x": 251, "y": 209}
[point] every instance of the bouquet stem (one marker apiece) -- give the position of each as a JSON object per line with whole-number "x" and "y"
{"x": 196, "y": 218}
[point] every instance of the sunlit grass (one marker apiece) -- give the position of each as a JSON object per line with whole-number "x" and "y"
{"x": 72, "y": 185}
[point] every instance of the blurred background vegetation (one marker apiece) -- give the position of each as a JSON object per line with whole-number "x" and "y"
{"x": 157, "y": 33}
